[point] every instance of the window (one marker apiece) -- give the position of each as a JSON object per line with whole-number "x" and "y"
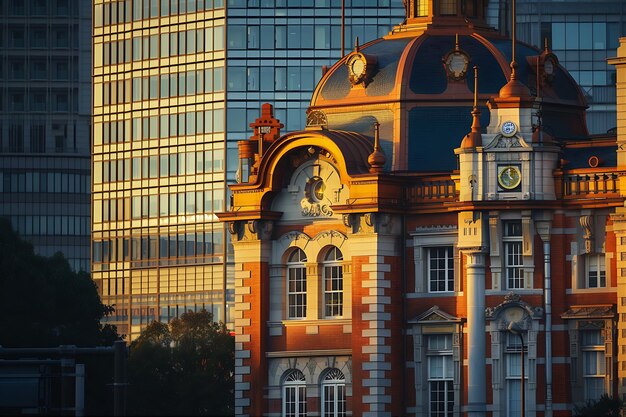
{"x": 440, "y": 269}
{"x": 334, "y": 394}
{"x": 592, "y": 345}
{"x": 294, "y": 395}
{"x": 333, "y": 283}
{"x": 440, "y": 375}
{"x": 513, "y": 259}
{"x": 296, "y": 285}
{"x": 596, "y": 271}
{"x": 422, "y": 8}
{"x": 514, "y": 373}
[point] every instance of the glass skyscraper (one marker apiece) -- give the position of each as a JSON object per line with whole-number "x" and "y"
{"x": 175, "y": 85}
{"x": 583, "y": 34}
{"x": 45, "y": 96}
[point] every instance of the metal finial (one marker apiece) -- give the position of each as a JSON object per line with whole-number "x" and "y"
{"x": 475, "y": 86}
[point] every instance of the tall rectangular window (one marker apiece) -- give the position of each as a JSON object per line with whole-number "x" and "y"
{"x": 440, "y": 375}
{"x": 596, "y": 271}
{"x": 513, "y": 259}
{"x": 440, "y": 269}
{"x": 296, "y": 285}
{"x": 594, "y": 372}
{"x": 513, "y": 359}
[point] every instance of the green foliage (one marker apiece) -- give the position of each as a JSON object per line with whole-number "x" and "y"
{"x": 43, "y": 303}
{"x": 185, "y": 368}
{"x": 605, "y": 406}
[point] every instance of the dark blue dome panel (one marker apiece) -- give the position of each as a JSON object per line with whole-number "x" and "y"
{"x": 428, "y": 75}
{"x": 434, "y": 133}
{"x": 388, "y": 55}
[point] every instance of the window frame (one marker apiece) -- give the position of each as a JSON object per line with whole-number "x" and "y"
{"x": 332, "y": 263}
{"x": 597, "y": 261}
{"x": 513, "y": 248}
{"x": 298, "y": 386}
{"x": 447, "y": 374}
{"x": 448, "y": 269}
{"x": 293, "y": 267}
{"x": 333, "y": 380}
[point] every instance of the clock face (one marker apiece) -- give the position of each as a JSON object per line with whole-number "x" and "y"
{"x": 456, "y": 64}
{"x": 357, "y": 66}
{"x": 509, "y": 177}
{"x": 508, "y": 128}
{"x": 548, "y": 67}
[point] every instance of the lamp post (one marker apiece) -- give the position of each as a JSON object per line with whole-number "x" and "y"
{"x": 515, "y": 329}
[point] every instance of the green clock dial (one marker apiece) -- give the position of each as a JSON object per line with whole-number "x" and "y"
{"x": 509, "y": 177}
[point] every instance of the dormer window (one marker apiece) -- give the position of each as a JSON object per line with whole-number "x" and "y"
{"x": 447, "y": 7}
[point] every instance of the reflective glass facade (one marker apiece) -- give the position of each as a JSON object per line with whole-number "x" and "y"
{"x": 583, "y": 35}
{"x": 45, "y": 124}
{"x": 175, "y": 84}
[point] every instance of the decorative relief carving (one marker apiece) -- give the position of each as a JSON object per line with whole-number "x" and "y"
{"x": 314, "y": 209}
{"x": 508, "y": 142}
{"x": 586, "y": 222}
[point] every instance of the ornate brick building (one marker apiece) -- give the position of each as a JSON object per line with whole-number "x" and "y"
{"x": 390, "y": 263}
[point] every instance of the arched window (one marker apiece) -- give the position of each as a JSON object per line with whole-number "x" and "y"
{"x": 296, "y": 285}
{"x": 334, "y": 394}
{"x": 333, "y": 283}
{"x": 294, "y": 394}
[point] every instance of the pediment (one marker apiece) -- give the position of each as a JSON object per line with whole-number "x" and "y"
{"x": 501, "y": 143}
{"x": 435, "y": 315}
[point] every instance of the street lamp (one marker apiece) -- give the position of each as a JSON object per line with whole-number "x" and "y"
{"x": 516, "y": 330}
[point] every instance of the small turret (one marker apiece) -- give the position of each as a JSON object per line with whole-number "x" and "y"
{"x": 377, "y": 158}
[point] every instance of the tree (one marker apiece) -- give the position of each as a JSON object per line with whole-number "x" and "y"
{"x": 43, "y": 303}
{"x": 605, "y": 406}
{"x": 185, "y": 368}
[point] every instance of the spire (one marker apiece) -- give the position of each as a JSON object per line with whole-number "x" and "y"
{"x": 514, "y": 88}
{"x": 356, "y": 44}
{"x": 377, "y": 158}
{"x": 474, "y": 138}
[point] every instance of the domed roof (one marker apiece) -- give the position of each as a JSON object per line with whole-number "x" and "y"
{"x": 412, "y": 68}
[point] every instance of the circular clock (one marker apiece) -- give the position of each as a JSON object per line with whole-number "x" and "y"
{"x": 456, "y": 65}
{"x": 508, "y": 128}
{"x": 548, "y": 67}
{"x": 357, "y": 67}
{"x": 314, "y": 189}
{"x": 509, "y": 177}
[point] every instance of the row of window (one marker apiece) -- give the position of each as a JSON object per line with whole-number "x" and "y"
{"x": 187, "y": 42}
{"x": 333, "y": 390}
{"x": 73, "y": 225}
{"x": 57, "y": 136}
{"x": 40, "y": 8}
{"x": 163, "y": 126}
{"x": 56, "y": 100}
{"x": 184, "y": 83}
{"x": 440, "y": 264}
{"x": 300, "y": 36}
{"x": 120, "y": 11}
{"x": 273, "y": 78}
{"x": 161, "y": 205}
{"x": 440, "y": 371}
{"x": 310, "y": 4}
{"x": 44, "y": 182}
{"x": 39, "y": 70}
{"x": 159, "y": 166}
{"x": 185, "y": 245}
{"x": 332, "y": 284}
{"x": 41, "y": 36}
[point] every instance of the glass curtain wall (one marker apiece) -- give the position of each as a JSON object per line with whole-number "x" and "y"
{"x": 175, "y": 85}
{"x": 583, "y": 35}
{"x": 44, "y": 124}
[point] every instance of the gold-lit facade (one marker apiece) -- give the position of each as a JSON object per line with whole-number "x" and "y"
{"x": 175, "y": 84}
{"x": 158, "y": 160}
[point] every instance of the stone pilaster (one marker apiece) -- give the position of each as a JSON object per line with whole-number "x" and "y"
{"x": 473, "y": 244}
{"x": 252, "y": 253}
{"x": 377, "y": 316}
{"x": 619, "y": 228}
